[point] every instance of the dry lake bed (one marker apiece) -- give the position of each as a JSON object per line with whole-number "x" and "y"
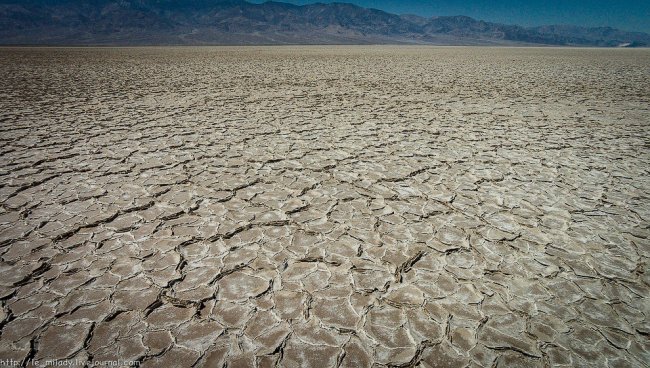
{"x": 325, "y": 206}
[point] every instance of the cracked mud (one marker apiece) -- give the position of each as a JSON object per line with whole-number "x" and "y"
{"x": 325, "y": 206}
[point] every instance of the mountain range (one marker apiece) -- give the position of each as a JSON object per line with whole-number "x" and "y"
{"x": 238, "y": 22}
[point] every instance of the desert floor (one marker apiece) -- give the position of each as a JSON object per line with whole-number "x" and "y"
{"x": 325, "y": 206}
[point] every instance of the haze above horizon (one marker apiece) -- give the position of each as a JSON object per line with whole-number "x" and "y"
{"x": 629, "y": 15}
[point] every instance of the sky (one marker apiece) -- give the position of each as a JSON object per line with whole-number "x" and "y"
{"x": 629, "y": 15}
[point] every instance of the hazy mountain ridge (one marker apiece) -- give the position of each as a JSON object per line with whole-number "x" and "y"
{"x": 135, "y": 22}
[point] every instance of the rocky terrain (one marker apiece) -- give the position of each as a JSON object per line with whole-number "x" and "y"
{"x": 238, "y": 22}
{"x": 325, "y": 207}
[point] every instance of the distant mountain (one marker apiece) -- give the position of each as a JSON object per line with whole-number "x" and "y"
{"x": 235, "y": 22}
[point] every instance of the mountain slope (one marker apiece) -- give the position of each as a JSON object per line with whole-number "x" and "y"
{"x": 133, "y": 22}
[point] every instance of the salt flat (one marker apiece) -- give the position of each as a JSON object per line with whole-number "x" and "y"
{"x": 325, "y": 206}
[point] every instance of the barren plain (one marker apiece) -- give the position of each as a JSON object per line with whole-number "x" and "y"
{"x": 325, "y": 206}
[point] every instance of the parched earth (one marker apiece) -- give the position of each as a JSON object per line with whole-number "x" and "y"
{"x": 325, "y": 206}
